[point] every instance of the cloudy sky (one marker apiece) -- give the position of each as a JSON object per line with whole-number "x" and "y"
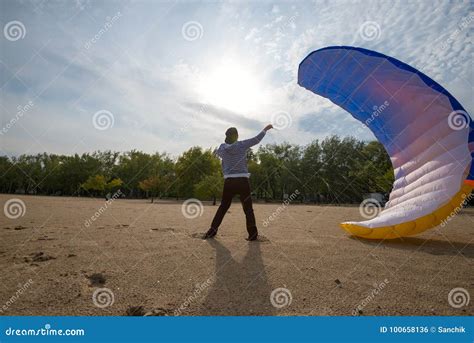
{"x": 78, "y": 76}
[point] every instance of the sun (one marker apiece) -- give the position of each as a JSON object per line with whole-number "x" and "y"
{"x": 233, "y": 87}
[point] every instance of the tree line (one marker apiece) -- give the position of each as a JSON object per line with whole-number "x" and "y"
{"x": 334, "y": 170}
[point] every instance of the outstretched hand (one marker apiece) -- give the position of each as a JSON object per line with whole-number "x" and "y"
{"x": 268, "y": 127}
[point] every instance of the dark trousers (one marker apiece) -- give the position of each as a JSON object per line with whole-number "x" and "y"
{"x": 232, "y": 187}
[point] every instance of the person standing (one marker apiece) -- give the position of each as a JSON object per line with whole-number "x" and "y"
{"x": 233, "y": 154}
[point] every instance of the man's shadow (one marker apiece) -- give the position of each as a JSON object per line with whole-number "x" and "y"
{"x": 238, "y": 289}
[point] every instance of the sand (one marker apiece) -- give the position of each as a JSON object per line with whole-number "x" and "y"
{"x": 149, "y": 259}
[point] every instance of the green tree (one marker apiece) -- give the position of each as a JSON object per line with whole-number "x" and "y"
{"x": 193, "y": 166}
{"x": 210, "y": 186}
{"x": 335, "y": 170}
{"x": 310, "y": 169}
{"x": 98, "y": 184}
{"x": 133, "y": 167}
{"x": 151, "y": 186}
{"x": 113, "y": 185}
{"x": 95, "y": 184}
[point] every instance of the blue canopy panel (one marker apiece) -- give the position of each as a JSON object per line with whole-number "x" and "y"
{"x": 406, "y": 110}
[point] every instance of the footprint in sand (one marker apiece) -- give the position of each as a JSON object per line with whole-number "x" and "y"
{"x": 46, "y": 238}
{"x": 38, "y": 257}
{"x": 97, "y": 279}
{"x": 198, "y": 235}
{"x": 165, "y": 229}
{"x": 140, "y": 311}
{"x": 135, "y": 311}
{"x": 121, "y": 226}
{"x": 263, "y": 239}
{"x": 160, "y": 311}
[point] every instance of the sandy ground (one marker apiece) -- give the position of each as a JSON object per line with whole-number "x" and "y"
{"x": 151, "y": 259}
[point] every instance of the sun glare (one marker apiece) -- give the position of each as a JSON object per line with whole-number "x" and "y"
{"x": 232, "y": 87}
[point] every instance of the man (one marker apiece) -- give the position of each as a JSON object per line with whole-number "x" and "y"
{"x": 234, "y": 167}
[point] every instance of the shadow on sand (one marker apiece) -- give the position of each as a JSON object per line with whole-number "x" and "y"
{"x": 429, "y": 246}
{"x": 238, "y": 288}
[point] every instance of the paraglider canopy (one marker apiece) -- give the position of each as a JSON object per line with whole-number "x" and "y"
{"x": 427, "y": 133}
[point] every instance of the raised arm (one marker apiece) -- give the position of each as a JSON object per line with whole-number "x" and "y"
{"x": 247, "y": 143}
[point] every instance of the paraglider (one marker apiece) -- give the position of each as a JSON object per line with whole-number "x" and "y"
{"x": 426, "y": 132}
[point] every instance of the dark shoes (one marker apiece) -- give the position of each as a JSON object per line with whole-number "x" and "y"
{"x": 210, "y": 233}
{"x": 252, "y": 237}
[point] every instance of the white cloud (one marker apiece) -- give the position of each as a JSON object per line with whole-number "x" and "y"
{"x": 144, "y": 72}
